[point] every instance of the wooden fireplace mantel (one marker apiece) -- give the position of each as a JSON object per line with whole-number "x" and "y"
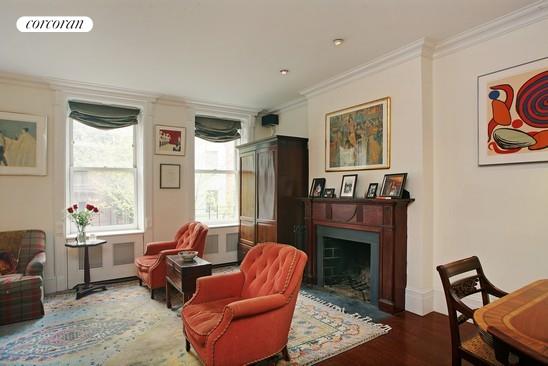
{"x": 388, "y": 218}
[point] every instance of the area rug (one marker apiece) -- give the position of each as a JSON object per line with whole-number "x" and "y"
{"x": 123, "y": 326}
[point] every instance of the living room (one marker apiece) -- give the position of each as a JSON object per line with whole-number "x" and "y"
{"x": 177, "y": 73}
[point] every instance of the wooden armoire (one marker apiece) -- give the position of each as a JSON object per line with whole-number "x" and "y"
{"x": 273, "y": 175}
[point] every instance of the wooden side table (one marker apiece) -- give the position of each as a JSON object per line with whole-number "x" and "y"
{"x": 182, "y": 276}
{"x": 87, "y": 288}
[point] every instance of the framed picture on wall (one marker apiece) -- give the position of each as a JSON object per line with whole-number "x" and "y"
{"x": 170, "y": 140}
{"x": 23, "y": 144}
{"x": 393, "y": 185}
{"x": 358, "y": 138}
{"x": 348, "y": 186}
{"x": 512, "y": 114}
{"x": 170, "y": 176}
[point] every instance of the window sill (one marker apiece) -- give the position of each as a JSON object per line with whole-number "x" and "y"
{"x": 111, "y": 233}
{"x": 220, "y": 226}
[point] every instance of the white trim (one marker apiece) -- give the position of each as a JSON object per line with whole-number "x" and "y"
{"x": 495, "y": 28}
{"x": 421, "y": 47}
{"x": 292, "y": 104}
{"x": 419, "y": 301}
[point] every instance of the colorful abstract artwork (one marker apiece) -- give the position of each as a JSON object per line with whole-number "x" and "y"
{"x": 513, "y": 114}
{"x": 23, "y": 148}
{"x": 358, "y": 138}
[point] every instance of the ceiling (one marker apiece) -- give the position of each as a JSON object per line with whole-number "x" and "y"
{"x": 227, "y": 51}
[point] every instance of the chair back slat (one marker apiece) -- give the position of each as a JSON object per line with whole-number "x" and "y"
{"x": 466, "y": 286}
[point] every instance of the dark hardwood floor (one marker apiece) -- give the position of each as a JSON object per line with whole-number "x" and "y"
{"x": 413, "y": 340}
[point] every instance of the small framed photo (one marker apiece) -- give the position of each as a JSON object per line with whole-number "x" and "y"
{"x": 372, "y": 190}
{"x": 170, "y": 176}
{"x": 348, "y": 185}
{"x": 170, "y": 140}
{"x": 393, "y": 185}
{"x": 318, "y": 185}
{"x": 329, "y": 193}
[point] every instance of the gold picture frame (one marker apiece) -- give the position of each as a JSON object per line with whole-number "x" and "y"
{"x": 358, "y": 137}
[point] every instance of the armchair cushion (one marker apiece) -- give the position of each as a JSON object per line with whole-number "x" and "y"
{"x": 157, "y": 247}
{"x": 203, "y": 318}
{"x": 15, "y": 283}
{"x": 217, "y": 287}
{"x": 144, "y": 262}
{"x": 8, "y": 263}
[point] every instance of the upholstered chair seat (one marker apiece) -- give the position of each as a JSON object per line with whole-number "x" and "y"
{"x": 243, "y": 317}
{"x": 151, "y": 267}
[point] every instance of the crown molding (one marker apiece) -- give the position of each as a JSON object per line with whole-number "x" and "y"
{"x": 422, "y": 47}
{"x": 495, "y": 28}
{"x": 292, "y": 104}
{"x": 205, "y": 107}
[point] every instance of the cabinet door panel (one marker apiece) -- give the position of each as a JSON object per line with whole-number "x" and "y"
{"x": 266, "y": 184}
{"x": 247, "y": 185}
{"x": 247, "y": 232}
{"x": 266, "y": 232}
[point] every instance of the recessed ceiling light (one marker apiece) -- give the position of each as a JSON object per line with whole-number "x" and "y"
{"x": 338, "y": 41}
{"x": 284, "y": 71}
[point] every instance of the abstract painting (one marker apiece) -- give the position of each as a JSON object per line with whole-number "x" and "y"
{"x": 358, "y": 138}
{"x": 513, "y": 114}
{"x": 170, "y": 140}
{"x": 23, "y": 139}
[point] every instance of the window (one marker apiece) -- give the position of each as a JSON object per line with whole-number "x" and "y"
{"x": 103, "y": 172}
{"x": 216, "y": 187}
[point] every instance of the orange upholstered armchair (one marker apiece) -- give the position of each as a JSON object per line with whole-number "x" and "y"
{"x": 243, "y": 317}
{"x": 151, "y": 267}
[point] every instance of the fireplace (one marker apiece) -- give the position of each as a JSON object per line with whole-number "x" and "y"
{"x": 348, "y": 262}
{"x": 375, "y": 230}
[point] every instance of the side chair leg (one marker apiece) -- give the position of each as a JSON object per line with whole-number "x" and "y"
{"x": 140, "y": 282}
{"x": 285, "y": 353}
{"x": 187, "y": 345}
{"x": 152, "y": 293}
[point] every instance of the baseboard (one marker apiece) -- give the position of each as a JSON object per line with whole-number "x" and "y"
{"x": 50, "y": 285}
{"x": 419, "y": 301}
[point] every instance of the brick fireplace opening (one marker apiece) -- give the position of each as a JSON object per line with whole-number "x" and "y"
{"x": 348, "y": 262}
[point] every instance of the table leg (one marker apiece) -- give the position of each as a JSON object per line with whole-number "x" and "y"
{"x": 87, "y": 276}
{"x": 168, "y": 297}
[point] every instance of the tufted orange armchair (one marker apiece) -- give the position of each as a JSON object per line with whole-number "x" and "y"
{"x": 151, "y": 267}
{"x": 243, "y": 317}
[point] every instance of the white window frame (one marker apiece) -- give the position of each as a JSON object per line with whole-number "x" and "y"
{"x": 236, "y": 180}
{"x": 135, "y": 169}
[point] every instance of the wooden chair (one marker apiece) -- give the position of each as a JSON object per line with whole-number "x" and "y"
{"x": 475, "y": 349}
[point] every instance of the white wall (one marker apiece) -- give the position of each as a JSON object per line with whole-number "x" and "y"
{"x": 37, "y": 202}
{"x": 27, "y": 201}
{"x": 403, "y": 83}
{"x": 293, "y": 121}
{"x": 498, "y": 213}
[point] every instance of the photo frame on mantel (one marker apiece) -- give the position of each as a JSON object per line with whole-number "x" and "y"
{"x": 348, "y": 186}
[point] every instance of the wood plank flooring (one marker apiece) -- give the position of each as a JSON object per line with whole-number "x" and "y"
{"x": 413, "y": 341}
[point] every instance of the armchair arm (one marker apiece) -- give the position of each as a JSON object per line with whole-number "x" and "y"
{"x": 494, "y": 290}
{"x": 157, "y": 247}
{"x": 257, "y": 305}
{"x": 36, "y": 265}
{"x": 217, "y": 287}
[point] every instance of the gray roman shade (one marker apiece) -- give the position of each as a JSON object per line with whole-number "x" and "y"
{"x": 103, "y": 116}
{"x": 217, "y": 129}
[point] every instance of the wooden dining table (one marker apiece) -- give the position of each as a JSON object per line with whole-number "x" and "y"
{"x": 518, "y": 323}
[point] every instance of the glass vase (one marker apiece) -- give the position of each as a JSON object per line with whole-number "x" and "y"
{"x": 81, "y": 237}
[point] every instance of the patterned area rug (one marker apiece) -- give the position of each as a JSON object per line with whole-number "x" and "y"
{"x": 123, "y": 326}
